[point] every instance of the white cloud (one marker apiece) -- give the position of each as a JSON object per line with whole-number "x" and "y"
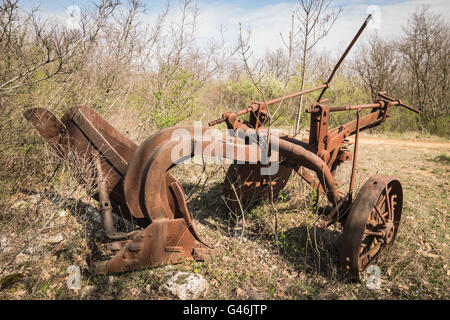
{"x": 393, "y": 18}
{"x": 268, "y": 21}
{"x": 265, "y": 23}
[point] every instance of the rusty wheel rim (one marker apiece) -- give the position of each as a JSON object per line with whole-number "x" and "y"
{"x": 381, "y": 227}
{"x": 374, "y": 225}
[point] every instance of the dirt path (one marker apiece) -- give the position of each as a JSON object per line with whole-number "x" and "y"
{"x": 444, "y": 146}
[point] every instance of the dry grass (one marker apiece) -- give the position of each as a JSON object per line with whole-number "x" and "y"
{"x": 299, "y": 262}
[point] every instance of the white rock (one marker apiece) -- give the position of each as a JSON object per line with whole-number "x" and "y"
{"x": 57, "y": 238}
{"x": 19, "y": 204}
{"x": 21, "y": 258}
{"x": 62, "y": 213}
{"x": 148, "y": 289}
{"x": 34, "y": 250}
{"x": 34, "y": 199}
{"x": 4, "y": 244}
{"x": 185, "y": 286}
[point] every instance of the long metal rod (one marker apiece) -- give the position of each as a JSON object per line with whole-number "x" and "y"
{"x": 355, "y": 153}
{"x": 399, "y": 102}
{"x": 365, "y": 106}
{"x": 345, "y": 54}
{"x": 255, "y": 106}
{"x": 345, "y": 108}
{"x": 323, "y": 86}
{"x": 105, "y": 204}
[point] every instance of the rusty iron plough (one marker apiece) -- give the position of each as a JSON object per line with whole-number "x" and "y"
{"x": 136, "y": 181}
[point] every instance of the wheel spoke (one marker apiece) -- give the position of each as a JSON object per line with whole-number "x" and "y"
{"x": 372, "y": 223}
{"x": 373, "y": 233}
{"x": 388, "y": 203}
{"x": 368, "y": 252}
{"x": 392, "y": 206}
{"x": 380, "y": 214}
{"x": 381, "y": 200}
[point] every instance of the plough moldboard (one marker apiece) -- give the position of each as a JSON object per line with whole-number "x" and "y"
{"x": 136, "y": 182}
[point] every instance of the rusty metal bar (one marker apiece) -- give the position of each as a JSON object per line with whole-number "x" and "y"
{"x": 397, "y": 102}
{"x": 345, "y": 54}
{"x": 377, "y": 210}
{"x": 105, "y": 203}
{"x": 394, "y": 102}
{"x": 302, "y": 157}
{"x": 297, "y": 94}
{"x": 355, "y": 153}
{"x": 255, "y": 106}
{"x": 345, "y": 108}
{"x": 368, "y": 121}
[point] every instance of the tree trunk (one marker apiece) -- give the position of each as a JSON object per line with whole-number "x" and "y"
{"x": 302, "y": 84}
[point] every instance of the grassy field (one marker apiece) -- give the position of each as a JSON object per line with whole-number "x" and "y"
{"x": 41, "y": 236}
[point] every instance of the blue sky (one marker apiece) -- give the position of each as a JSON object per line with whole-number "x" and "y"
{"x": 267, "y": 19}
{"x": 245, "y": 4}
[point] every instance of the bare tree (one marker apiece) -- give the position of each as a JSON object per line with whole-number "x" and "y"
{"x": 315, "y": 18}
{"x": 276, "y": 62}
{"x": 426, "y": 52}
{"x": 378, "y": 66}
{"x": 34, "y": 50}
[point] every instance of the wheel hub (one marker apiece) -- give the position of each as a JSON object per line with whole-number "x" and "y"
{"x": 389, "y": 231}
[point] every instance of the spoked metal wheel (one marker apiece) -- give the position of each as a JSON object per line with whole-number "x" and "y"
{"x": 372, "y": 223}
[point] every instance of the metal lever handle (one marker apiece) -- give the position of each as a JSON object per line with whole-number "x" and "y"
{"x": 255, "y": 105}
{"x": 217, "y": 121}
{"x": 398, "y": 102}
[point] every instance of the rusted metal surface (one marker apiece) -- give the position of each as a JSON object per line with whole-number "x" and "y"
{"x": 71, "y": 138}
{"x": 355, "y": 153}
{"x": 139, "y": 182}
{"x": 244, "y": 186}
{"x": 105, "y": 204}
{"x": 136, "y": 181}
{"x": 256, "y": 105}
{"x": 372, "y": 223}
{"x": 347, "y": 50}
{"x": 372, "y": 220}
{"x": 142, "y": 189}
